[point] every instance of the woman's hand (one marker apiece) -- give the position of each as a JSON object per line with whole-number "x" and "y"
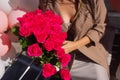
{"x": 69, "y": 46}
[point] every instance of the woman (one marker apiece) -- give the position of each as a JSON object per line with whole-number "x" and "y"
{"x": 84, "y": 23}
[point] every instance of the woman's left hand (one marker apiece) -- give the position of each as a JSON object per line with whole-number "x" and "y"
{"x": 69, "y": 46}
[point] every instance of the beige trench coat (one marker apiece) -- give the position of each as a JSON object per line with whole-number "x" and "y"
{"x": 85, "y": 25}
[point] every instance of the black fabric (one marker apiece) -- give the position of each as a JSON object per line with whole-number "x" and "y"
{"x": 18, "y": 68}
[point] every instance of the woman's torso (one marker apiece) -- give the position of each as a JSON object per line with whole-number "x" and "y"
{"x": 83, "y": 23}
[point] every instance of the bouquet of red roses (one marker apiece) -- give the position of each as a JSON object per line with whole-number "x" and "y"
{"x": 40, "y": 34}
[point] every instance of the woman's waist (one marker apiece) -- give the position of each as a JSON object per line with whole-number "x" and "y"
{"x": 81, "y": 56}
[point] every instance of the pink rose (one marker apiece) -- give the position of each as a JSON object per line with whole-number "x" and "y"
{"x": 65, "y": 74}
{"x": 48, "y": 70}
{"x": 34, "y": 50}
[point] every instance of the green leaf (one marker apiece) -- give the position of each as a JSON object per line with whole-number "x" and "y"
{"x": 15, "y": 30}
{"x": 23, "y": 42}
{"x": 58, "y": 64}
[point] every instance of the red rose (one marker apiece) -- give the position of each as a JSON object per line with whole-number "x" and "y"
{"x": 58, "y": 44}
{"x": 24, "y": 30}
{"x": 60, "y": 52}
{"x": 57, "y": 28}
{"x": 34, "y": 50}
{"x": 65, "y": 59}
{"x": 41, "y": 37}
{"x": 49, "y": 45}
{"x": 48, "y": 70}
{"x": 63, "y": 36}
{"x": 65, "y": 75}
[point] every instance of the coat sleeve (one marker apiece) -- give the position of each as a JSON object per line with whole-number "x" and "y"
{"x": 96, "y": 33}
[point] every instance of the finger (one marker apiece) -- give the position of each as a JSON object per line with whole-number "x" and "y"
{"x": 63, "y": 47}
{"x": 65, "y": 42}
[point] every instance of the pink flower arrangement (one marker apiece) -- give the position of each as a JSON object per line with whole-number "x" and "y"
{"x": 40, "y": 34}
